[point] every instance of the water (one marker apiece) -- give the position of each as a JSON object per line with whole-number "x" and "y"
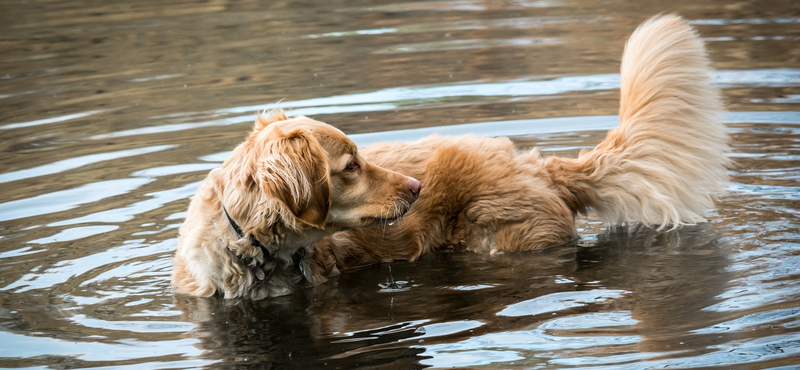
{"x": 112, "y": 113}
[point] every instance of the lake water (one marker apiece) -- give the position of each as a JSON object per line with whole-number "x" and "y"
{"x": 111, "y": 113}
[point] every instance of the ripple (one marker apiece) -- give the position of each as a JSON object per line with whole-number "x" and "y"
{"x": 390, "y": 99}
{"x": 446, "y": 328}
{"x": 22, "y": 346}
{"x": 241, "y": 119}
{"x": 753, "y": 77}
{"x": 496, "y": 128}
{"x": 466, "y": 44}
{"x": 76, "y": 233}
{"x": 119, "y": 261}
{"x": 156, "y": 200}
{"x": 470, "y": 287}
{"x": 475, "y": 357}
{"x": 175, "y": 169}
{"x": 157, "y": 326}
{"x": 728, "y": 355}
{"x": 536, "y": 126}
{"x": 451, "y": 5}
{"x": 752, "y": 321}
{"x": 67, "y": 117}
{"x": 68, "y": 199}
{"x": 72, "y": 163}
{"x": 155, "y": 78}
{"x": 464, "y": 25}
{"x": 719, "y": 22}
{"x": 513, "y": 346}
{"x": 777, "y": 77}
{"x": 560, "y": 301}
{"x": 590, "y": 320}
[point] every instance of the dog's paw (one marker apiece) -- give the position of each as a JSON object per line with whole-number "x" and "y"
{"x": 251, "y": 256}
{"x": 248, "y": 253}
{"x": 496, "y": 251}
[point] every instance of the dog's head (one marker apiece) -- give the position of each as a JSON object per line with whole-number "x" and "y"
{"x": 309, "y": 171}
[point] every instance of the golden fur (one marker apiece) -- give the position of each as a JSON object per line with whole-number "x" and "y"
{"x": 662, "y": 166}
{"x": 289, "y": 184}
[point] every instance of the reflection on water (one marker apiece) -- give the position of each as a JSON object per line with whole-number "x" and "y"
{"x": 111, "y": 115}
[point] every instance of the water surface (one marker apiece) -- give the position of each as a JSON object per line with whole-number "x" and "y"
{"x": 112, "y": 113}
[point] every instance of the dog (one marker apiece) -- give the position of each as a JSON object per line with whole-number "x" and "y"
{"x": 662, "y": 166}
{"x": 290, "y": 183}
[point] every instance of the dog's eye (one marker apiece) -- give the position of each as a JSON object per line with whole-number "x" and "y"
{"x": 352, "y": 166}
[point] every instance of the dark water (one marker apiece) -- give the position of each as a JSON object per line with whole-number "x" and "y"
{"x": 112, "y": 112}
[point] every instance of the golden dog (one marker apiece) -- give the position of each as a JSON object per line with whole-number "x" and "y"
{"x": 662, "y": 166}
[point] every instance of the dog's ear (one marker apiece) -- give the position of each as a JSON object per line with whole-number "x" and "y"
{"x": 294, "y": 170}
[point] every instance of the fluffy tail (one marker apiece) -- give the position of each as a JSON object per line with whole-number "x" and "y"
{"x": 666, "y": 160}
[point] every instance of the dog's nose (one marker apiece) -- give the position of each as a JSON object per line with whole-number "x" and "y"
{"x": 414, "y": 186}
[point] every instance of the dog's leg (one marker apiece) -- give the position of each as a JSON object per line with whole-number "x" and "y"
{"x": 536, "y": 232}
{"x": 245, "y": 250}
{"x": 236, "y": 278}
{"x": 187, "y": 283}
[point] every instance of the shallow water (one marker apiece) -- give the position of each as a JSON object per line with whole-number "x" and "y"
{"x": 112, "y": 113}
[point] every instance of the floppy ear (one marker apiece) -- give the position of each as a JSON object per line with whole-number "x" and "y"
{"x": 294, "y": 170}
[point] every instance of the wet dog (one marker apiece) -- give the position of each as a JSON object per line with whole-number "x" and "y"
{"x": 662, "y": 166}
{"x": 253, "y": 220}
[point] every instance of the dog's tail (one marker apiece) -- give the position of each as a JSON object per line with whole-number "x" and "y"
{"x": 666, "y": 161}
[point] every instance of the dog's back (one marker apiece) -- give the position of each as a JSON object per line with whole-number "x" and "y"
{"x": 662, "y": 166}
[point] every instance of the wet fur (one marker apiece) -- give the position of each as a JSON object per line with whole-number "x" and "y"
{"x": 286, "y": 186}
{"x": 662, "y": 166}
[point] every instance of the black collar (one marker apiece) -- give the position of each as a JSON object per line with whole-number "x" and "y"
{"x": 256, "y": 268}
{"x": 239, "y": 232}
{"x": 233, "y": 223}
